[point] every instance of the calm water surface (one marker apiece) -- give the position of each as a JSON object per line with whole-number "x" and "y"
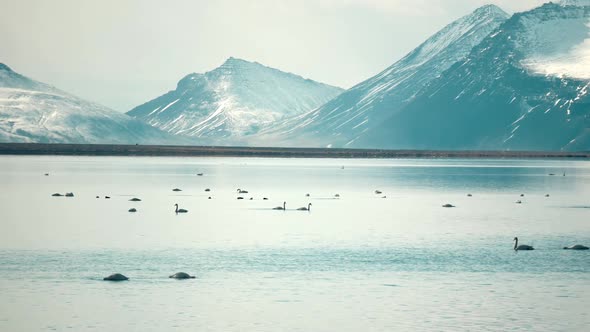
{"x": 359, "y": 262}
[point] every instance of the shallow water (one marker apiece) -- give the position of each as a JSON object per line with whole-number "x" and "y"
{"x": 354, "y": 263}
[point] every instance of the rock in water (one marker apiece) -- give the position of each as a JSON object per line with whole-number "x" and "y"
{"x": 116, "y": 277}
{"x": 181, "y": 275}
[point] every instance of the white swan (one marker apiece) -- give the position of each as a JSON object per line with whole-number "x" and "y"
{"x": 522, "y": 246}
{"x": 308, "y": 208}
{"x": 284, "y": 207}
{"x": 576, "y": 247}
{"x": 179, "y": 210}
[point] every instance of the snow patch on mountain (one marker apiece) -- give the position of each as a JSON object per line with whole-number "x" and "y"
{"x": 561, "y": 51}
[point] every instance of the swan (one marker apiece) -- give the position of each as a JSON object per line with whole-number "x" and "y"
{"x": 135, "y": 199}
{"x": 469, "y": 195}
{"x": 207, "y": 190}
{"x": 176, "y": 189}
{"x": 448, "y": 205}
{"x": 522, "y": 246}
{"x": 284, "y": 207}
{"x": 377, "y": 192}
{"x": 179, "y": 210}
{"x": 107, "y": 197}
{"x": 308, "y": 208}
{"x": 199, "y": 174}
{"x": 240, "y": 191}
{"x": 576, "y": 247}
{"x": 133, "y": 210}
{"x": 240, "y": 197}
{"x": 518, "y": 202}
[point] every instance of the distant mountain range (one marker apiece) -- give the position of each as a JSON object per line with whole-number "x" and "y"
{"x": 35, "y": 112}
{"x": 488, "y": 81}
{"x": 236, "y": 99}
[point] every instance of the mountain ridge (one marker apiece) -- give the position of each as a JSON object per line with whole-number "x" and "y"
{"x": 235, "y": 99}
{"x": 341, "y": 121}
{"x": 32, "y": 111}
{"x": 491, "y": 100}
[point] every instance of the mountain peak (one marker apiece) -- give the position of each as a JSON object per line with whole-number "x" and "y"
{"x": 231, "y": 61}
{"x": 490, "y": 9}
{"x": 235, "y": 99}
{"x": 4, "y": 67}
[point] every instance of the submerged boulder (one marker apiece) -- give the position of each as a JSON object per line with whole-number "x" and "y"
{"x": 116, "y": 277}
{"x": 181, "y": 275}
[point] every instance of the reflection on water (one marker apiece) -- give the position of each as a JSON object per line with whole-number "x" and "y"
{"x": 354, "y": 262}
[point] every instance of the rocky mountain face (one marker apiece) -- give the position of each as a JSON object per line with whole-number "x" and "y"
{"x": 237, "y": 99}
{"x": 524, "y": 87}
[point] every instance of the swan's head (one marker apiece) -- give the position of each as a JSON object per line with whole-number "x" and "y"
{"x": 176, "y": 205}
{"x": 515, "y": 239}
{"x": 564, "y": 247}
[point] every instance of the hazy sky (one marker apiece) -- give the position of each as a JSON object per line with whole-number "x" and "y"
{"x": 124, "y": 53}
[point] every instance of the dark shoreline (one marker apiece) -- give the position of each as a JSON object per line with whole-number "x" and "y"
{"x": 268, "y": 152}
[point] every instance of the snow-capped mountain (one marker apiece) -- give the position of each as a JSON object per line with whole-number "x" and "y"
{"x": 524, "y": 87}
{"x": 236, "y": 99}
{"x": 352, "y": 114}
{"x": 34, "y": 112}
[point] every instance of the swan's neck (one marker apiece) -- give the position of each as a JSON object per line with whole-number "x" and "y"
{"x": 515, "y": 244}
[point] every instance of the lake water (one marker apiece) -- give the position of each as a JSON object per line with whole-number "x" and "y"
{"x": 359, "y": 262}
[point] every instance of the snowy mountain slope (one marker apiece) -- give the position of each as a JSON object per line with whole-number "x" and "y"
{"x": 497, "y": 99}
{"x": 342, "y": 120}
{"x": 236, "y": 99}
{"x": 35, "y": 112}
